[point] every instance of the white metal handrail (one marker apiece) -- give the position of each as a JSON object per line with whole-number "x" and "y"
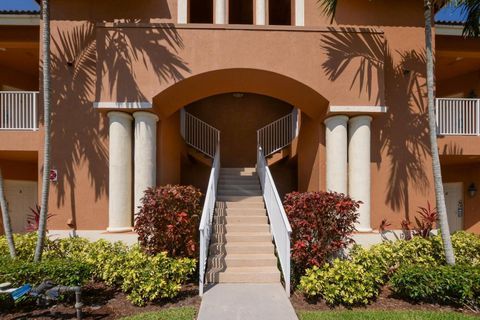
{"x": 199, "y": 134}
{"x": 458, "y": 116}
{"x": 18, "y": 110}
{"x": 207, "y": 218}
{"x": 278, "y": 134}
{"x": 280, "y": 226}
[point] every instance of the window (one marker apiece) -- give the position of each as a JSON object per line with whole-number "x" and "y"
{"x": 201, "y": 11}
{"x": 240, "y": 11}
{"x": 280, "y": 12}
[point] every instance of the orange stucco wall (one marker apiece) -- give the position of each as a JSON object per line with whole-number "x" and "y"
{"x": 105, "y": 53}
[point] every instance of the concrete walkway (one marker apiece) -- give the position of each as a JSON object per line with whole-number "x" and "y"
{"x": 228, "y": 301}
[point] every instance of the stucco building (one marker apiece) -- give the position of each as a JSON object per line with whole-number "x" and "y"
{"x": 128, "y": 77}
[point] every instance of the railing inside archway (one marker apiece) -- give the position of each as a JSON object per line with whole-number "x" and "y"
{"x": 272, "y": 137}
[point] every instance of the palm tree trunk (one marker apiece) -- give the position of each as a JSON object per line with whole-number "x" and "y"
{"x": 437, "y": 171}
{"x": 46, "y": 120}
{"x": 7, "y": 227}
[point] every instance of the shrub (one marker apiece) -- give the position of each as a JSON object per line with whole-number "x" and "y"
{"x": 168, "y": 220}
{"x": 322, "y": 223}
{"x": 147, "y": 278}
{"x": 25, "y": 245}
{"x": 61, "y": 271}
{"x": 457, "y": 285}
{"x": 73, "y": 261}
{"x": 343, "y": 282}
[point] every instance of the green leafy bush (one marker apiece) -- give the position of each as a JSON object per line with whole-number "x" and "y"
{"x": 168, "y": 220}
{"x": 72, "y": 261}
{"x": 147, "y": 278}
{"x": 62, "y": 271}
{"x": 24, "y": 245}
{"x": 342, "y": 282}
{"x": 457, "y": 285}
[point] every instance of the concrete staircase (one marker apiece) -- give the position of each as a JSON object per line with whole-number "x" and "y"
{"x": 241, "y": 248}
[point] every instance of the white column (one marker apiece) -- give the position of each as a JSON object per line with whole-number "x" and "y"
{"x": 336, "y": 145}
{"x": 220, "y": 11}
{"x": 182, "y": 11}
{"x": 120, "y": 172}
{"x": 359, "y": 167}
{"x": 300, "y": 13}
{"x": 145, "y": 154}
{"x": 260, "y": 12}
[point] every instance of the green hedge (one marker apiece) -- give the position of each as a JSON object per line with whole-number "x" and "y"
{"x": 456, "y": 285}
{"x": 377, "y": 264}
{"x": 61, "y": 271}
{"x": 75, "y": 260}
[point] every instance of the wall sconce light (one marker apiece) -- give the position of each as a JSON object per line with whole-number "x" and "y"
{"x": 472, "y": 190}
{"x": 238, "y": 95}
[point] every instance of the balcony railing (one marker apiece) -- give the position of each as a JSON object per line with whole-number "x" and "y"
{"x": 458, "y": 116}
{"x": 18, "y": 110}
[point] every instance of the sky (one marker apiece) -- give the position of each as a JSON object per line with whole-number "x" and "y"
{"x": 18, "y": 5}
{"x": 447, "y": 13}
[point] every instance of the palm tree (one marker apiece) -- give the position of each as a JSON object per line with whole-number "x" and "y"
{"x": 471, "y": 8}
{"x": 46, "y": 120}
{"x": 7, "y": 227}
{"x": 432, "y": 125}
{"x": 472, "y": 11}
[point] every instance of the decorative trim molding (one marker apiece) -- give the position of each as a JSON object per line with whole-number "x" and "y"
{"x": 448, "y": 30}
{"x": 20, "y": 20}
{"x": 122, "y": 105}
{"x": 357, "y": 109}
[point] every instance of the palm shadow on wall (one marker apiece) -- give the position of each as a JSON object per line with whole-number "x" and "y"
{"x": 80, "y": 131}
{"x": 407, "y": 112}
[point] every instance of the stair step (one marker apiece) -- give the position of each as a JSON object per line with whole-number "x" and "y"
{"x": 229, "y": 228}
{"x": 249, "y": 199}
{"x": 241, "y": 220}
{"x": 231, "y": 237}
{"x": 236, "y": 187}
{"x": 246, "y": 169}
{"x": 237, "y": 193}
{"x": 245, "y": 275}
{"x": 232, "y": 177}
{"x": 241, "y": 248}
{"x": 241, "y": 211}
{"x": 243, "y": 260}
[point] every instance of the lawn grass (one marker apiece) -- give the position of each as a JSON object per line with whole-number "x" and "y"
{"x": 185, "y": 313}
{"x": 382, "y": 315}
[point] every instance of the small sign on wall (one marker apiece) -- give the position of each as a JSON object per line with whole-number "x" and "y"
{"x": 53, "y": 175}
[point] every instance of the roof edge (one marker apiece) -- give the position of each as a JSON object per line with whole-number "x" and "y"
{"x": 20, "y": 19}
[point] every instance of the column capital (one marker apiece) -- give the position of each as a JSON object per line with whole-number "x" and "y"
{"x": 364, "y": 118}
{"x": 343, "y": 119}
{"x": 143, "y": 115}
{"x": 119, "y": 114}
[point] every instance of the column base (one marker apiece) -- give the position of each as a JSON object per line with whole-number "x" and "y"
{"x": 119, "y": 229}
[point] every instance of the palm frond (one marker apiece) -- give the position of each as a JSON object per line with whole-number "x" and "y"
{"x": 471, "y": 8}
{"x": 329, "y": 8}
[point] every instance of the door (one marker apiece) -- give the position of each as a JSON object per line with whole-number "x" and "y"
{"x": 20, "y": 196}
{"x": 454, "y": 203}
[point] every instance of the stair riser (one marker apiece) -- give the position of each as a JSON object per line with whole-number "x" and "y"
{"x": 226, "y": 193}
{"x": 249, "y": 238}
{"x": 244, "y": 262}
{"x": 241, "y": 220}
{"x": 240, "y": 188}
{"x": 250, "y": 170}
{"x": 237, "y": 206}
{"x": 242, "y": 228}
{"x": 226, "y": 277}
{"x": 243, "y": 249}
{"x": 243, "y": 199}
{"x": 241, "y": 212}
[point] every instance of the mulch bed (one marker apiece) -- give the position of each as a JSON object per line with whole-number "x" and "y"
{"x": 102, "y": 302}
{"x": 385, "y": 301}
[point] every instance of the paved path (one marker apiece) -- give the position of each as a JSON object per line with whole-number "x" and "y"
{"x": 228, "y": 301}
